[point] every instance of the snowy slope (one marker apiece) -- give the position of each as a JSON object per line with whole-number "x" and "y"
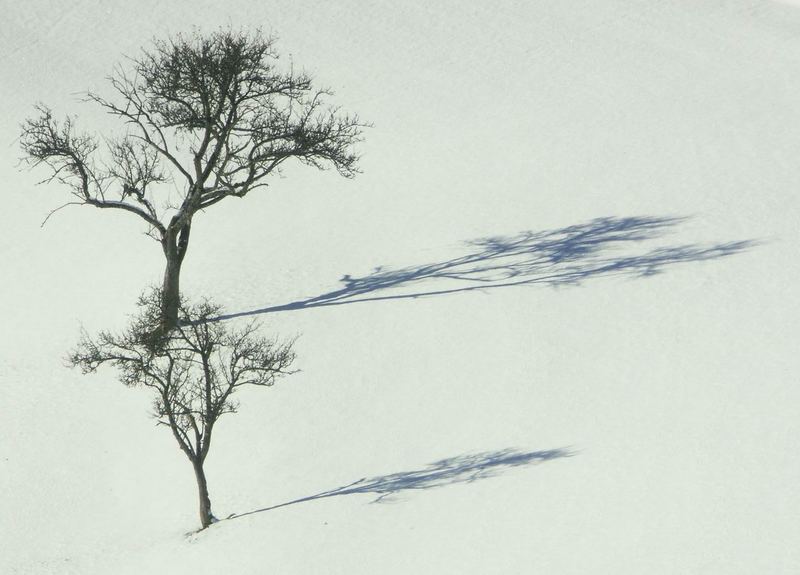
{"x": 660, "y": 359}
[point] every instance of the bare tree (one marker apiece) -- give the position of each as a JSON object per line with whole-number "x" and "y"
{"x": 212, "y": 115}
{"x": 194, "y": 373}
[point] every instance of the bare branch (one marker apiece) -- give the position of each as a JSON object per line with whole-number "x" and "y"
{"x": 52, "y": 212}
{"x": 68, "y": 154}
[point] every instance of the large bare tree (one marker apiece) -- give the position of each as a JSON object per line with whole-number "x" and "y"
{"x": 194, "y": 373}
{"x": 213, "y": 115}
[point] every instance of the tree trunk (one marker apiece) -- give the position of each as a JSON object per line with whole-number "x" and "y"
{"x": 206, "y": 517}
{"x": 170, "y": 291}
{"x": 175, "y": 244}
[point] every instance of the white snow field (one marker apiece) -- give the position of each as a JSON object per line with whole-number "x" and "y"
{"x": 628, "y": 406}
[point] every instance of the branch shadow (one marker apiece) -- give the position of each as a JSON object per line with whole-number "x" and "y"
{"x": 560, "y": 257}
{"x": 461, "y": 469}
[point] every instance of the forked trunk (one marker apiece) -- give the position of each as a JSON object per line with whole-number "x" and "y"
{"x": 206, "y": 517}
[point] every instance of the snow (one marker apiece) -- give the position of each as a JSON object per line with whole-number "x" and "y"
{"x": 673, "y": 394}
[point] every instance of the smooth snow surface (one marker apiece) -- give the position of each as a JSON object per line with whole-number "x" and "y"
{"x": 629, "y": 405}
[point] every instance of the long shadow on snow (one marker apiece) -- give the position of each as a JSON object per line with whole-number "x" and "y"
{"x": 461, "y": 469}
{"x": 565, "y": 256}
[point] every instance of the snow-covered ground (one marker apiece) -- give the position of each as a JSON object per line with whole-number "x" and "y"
{"x": 629, "y": 406}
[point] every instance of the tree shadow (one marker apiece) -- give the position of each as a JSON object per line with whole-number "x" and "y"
{"x": 461, "y": 469}
{"x": 565, "y": 256}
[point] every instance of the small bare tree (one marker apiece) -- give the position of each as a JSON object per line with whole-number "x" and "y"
{"x": 194, "y": 373}
{"x": 214, "y": 116}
